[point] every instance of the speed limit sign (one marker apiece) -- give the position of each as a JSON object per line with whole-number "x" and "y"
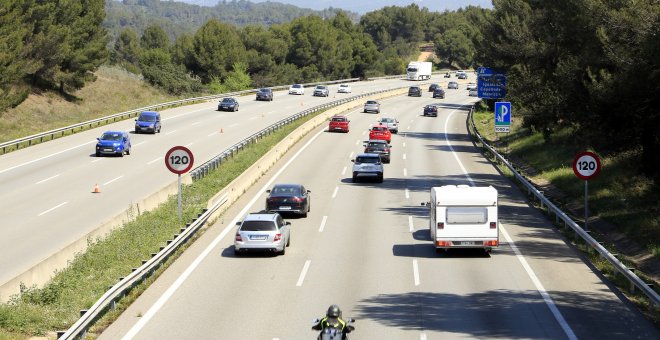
{"x": 586, "y": 165}
{"x": 179, "y": 160}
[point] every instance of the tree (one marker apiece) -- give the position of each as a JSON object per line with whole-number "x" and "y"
{"x": 216, "y": 47}
{"x": 13, "y": 64}
{"x": 154, "y": 36}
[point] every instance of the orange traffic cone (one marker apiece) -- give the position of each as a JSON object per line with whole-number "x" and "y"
{"x": 96, "y": 190}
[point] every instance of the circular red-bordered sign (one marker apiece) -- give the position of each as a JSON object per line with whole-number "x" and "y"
{"x": 586, "y": 165}
{"x": 179, "y": 160}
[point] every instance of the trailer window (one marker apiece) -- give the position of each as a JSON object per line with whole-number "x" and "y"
{"x": 466, "y": 215}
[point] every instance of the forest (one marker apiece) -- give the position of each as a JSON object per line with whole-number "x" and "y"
{"x": 591, "y": 65}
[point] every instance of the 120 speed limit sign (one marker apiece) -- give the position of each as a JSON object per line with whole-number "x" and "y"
{"x": 586, "y": 165}
{"x": 179, "y": 160}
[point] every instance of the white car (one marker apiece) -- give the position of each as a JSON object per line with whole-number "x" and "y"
{"x": 473, "y": 93}
{"x": 368, "y": 165}
{"x": 344, "y": 88}
{"x": 391, "y": 124}
{"x": 297, "y": 89}
{"x": 471, "y": 86}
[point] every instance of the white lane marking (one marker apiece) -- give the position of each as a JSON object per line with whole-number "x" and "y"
{"x": 189, "y": 144}
{"x": 170, "y": 132}
{"x": 404, "y": 144}
{"x": 343, "y": 172}
{"x": 405, "y": 172}
{"x": 230, "y": 227}
{"x": 195, "y": 123}
{"x": 351, "y": 155}
{"x": 357, "y": 142}
{"x": 45, "y": 157}
{"x": 53, "y": 208}
{"x": 410, "y": 224}
{"x": 155, "y": 160}
{"x": 422, "y": 336}
{"x": 183, "y": 114}
{"x": 47, "y": 179}
{"x": 140, "y": 143}
{"x": 96, "y": 160}
{"x": 364, "y": 132}
{"x": 404, "y": 156}
{"x": 408, "y": 127}
{"x": 233, "y": 125}
{"x": 530, "y": 272}
{"x": 253, "y": 118}
{"x": 325, "y": 219}
{"x": 412, "y": 120}
{"x": 416, "y": 272}
{"x": 301, "y": 278}
{"x": 334, "y": 193}
{"x": 407, "y": 193}
{"x": 211, "y": 134}
{"x": 112, "y": 180}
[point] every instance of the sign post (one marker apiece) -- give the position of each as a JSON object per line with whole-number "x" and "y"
{"x": 586, "y": 165}
{"x": 179, "y": 160}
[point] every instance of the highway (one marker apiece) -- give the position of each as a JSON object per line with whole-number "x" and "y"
{"x": 366, "y": 247}
{"x": 46, "y": 197}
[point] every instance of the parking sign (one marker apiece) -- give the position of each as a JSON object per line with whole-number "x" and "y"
{"x": 502, "y": 116}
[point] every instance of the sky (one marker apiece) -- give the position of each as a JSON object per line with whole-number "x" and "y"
{"x": 363, "y": 6}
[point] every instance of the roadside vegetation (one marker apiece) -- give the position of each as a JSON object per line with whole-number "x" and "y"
{"x": 56, "y": 306}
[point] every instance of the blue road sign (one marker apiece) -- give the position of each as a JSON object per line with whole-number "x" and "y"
{"x": 491, "y": 83}
{"x": 502, "y": 116}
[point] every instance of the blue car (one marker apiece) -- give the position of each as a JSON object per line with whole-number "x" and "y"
{"x": 113, "y": 143}
{"x": 148, "y": 121}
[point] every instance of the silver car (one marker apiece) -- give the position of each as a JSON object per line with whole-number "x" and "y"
{"x": 392, "y": 124}
{"x": 371, "y": 106}
{"x": 262, "y": 231}
{"x": 452, "y": 85}
{"x": 368, "y": 165}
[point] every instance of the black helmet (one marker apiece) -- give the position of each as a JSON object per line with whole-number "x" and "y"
{"x": 333, "y": 312}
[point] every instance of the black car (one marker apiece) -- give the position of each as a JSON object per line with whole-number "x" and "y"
{"x": 432, "y": 87}
{"x": 414, "y": 91}
{"x": 228, "y": 104}
{"x": 265, "y": 94}
{"x": 439, "y": 93}
{"x": 430, "y": 110}
{"x": 380, "y": 147}
{"x": 289, "y": 198}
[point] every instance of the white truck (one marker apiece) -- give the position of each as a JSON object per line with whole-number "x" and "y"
{"x": 419, "y": 70}
{"x": 462, "y": 216}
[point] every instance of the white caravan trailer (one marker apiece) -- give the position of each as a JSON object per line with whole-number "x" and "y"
{"x": 463, "y": 217}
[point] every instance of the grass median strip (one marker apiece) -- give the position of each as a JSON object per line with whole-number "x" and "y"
{"x": 56, "y": 306}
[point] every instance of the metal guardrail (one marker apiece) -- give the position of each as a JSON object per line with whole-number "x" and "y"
{"x": 59, "y": 132}
{"x": 635, "y": 281}
{"x": 119, "y": 290}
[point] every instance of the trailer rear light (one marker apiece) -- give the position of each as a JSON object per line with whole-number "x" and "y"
{"x": 491, "y": 243}
{"x": 238, "y": 237}
{"x": 443, "y": 243}
{"x": 277, "y": 237}
{"x": 493, "y": 225}
{"x": 441, "y": 225}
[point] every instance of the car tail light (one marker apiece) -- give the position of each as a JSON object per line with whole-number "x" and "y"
{"x": 238, "y": 237}
{"x": 297, "y": 199}
{"x": 491, "y": 243}
{"x": 493, "y": 225}
{"x": 278, "y": 237}
{"x": 441, "y": 225}
{"x": 443, "y": 243}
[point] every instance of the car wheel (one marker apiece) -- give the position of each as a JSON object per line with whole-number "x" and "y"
{"x": 288, "y": 241}
{"x": 283, "y": 250}
{"x": 380, "y": 179}
{"x": 365, "y": 111}
{"x": 355, "y": 179}
{"x": 121, "y": 154}
{"x": 128, "y": 151}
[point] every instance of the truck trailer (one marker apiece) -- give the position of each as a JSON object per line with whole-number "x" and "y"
{"x": 461, "y": 216}
{"x": 419, "y": 70}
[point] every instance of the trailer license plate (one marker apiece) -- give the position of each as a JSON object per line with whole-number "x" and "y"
{"x": 468, "y": 243}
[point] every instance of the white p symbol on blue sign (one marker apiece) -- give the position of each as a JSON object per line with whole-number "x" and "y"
{"x": 502, "y": 113}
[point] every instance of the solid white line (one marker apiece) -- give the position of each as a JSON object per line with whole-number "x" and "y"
{"x": 155, "y": 160}
{"x": 112, "y": 180}
{"x": 301, "y": 278}
{"x": 410, "y": 224}
{"x": 325, "y": 219}
{"x": 53, "y": 208}
{"x": 343, "y": 172}
{"x": 405, "y": 172}
{"x": 416, "y": 272}
{"x": 49, "y": 178}
{"x": 183, "y": 114}
{"x": 42, "y": 158}
{"x": 530, "y": 272}
{"x": 334, "y": 194}
{"x": 230, "y": 227}
{"x": 407, "y": 193}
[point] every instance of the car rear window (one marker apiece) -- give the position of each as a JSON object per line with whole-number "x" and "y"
{"x": 290, "y": 190}
{"x": 371, "y": 102}
{"x": 338, "y": 119}
{"x": 258, "y": 226}
{"x": 466, "y": 215}
{"x": 366, "y": 159}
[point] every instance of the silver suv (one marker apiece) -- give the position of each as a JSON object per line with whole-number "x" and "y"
{"x": 262, "y": 231}
{"x": 367, "y": 165}
{"x": 371, "y": 106}
{"x": 321, "y": 91}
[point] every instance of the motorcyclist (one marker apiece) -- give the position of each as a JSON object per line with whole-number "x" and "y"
{"x": 333, "y": 319}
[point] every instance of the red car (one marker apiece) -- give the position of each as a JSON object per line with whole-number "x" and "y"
{"x": 381, "y": 132}
{"x": 338, "y": 123}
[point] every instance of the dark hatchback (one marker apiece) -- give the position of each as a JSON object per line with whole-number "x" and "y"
{"x": 228, "y": 104}
{"x": 380, "y": 147}
{"x": 439, "y": 93}
{"x": 265, "y": 94}
{"x": 430, "y": 110}
{"x": 289, "y": 198}
{"x": 148, "y": 121}
{"x": 414, "y": 91}
{"x": 432, "y": 87}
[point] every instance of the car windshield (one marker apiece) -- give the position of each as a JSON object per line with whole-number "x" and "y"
{"x": 258, "y": 226}
{"x": 286, "y": 190}
{"x": 147, "y": 118}
{"x": 296, "y": 86}
{"x": 367, "y": 159}
{"x": 111, "y": 136}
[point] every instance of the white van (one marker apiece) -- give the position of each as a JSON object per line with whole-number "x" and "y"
{"x": 462, "y": 216}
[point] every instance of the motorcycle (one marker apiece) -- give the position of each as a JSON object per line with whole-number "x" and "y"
{"x": 334, "y": 333}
